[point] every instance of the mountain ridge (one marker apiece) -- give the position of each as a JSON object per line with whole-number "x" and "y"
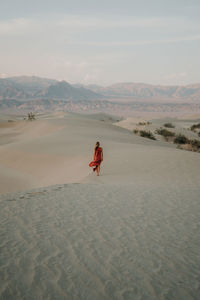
{"x": 26, "y": 87}
{"x": 143, "y": 90}
{"x": 27, "y": 93}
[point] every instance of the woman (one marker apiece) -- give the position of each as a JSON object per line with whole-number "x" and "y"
{"x": 98, "y": 158}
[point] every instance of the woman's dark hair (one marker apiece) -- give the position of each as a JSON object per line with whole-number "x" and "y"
{"x": 97, "y": 145}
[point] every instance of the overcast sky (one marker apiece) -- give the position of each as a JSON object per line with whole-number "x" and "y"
{"x": 101, "y": 42}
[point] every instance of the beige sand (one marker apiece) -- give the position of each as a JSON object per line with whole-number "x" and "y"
{"x": 132, "y": 233}
{"x": 57, "y": 149}
{"x": 40, "y": 153}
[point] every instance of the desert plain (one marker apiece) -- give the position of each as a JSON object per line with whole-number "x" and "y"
{"x": 131, "y": 233}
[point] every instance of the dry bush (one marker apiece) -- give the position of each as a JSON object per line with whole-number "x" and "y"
{"x": 195, "y": 126}
{"x": 195, "y": 145}
{"x": 169, "y": 125}
{"x": 181, "y": 139}
{"x": 142, "y": 123}
{"x": 164, "y": 132}
{"x": 147, "y": 134}
{"x": 187, "y": 144}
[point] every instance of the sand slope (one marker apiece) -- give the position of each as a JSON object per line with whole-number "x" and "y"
{"x": 78, "y": 241}
{"x": 58, "y": 149}
{"x": 132, "y": 233}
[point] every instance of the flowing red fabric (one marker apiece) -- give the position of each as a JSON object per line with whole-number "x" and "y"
{"x": 98, "y": 157}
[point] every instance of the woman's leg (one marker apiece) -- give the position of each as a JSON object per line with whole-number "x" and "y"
{"x": 98, "y": 170}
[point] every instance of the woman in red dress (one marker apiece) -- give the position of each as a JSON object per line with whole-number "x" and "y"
{"x": 98, "y": 158}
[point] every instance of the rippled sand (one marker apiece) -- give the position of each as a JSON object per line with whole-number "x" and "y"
{"x": 83, "y": 241}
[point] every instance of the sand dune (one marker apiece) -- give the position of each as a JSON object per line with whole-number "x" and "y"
{"x": 132, "y": 233}
{"x": 58, "y": 150}
{"x": 42, "y": 150}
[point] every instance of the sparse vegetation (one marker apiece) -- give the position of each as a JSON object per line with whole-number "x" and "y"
{"x": 181, "y": 139}
{"x": 169, "y": 125}
{"x": 191, "y": 145}
{"x": 164, "y": 132}
{"x": 146, "y": 134}
{"x": 31, "y": 116}
{"x": 195, "y": 143}
{"x": 144, "y": 123}
{"x": 195, "y": 126}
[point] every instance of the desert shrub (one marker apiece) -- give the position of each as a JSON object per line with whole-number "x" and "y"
{"x": 169, "y": 125}
{"x": 147, "y": 134}
{"x": 195, "y": 143}
{"x": 142, "y": 123}
{"x": 195, "y": 126}
{"x": 181, "y": 139}
{"x": 31, "y": 116}
{"x": 165, "y": 132}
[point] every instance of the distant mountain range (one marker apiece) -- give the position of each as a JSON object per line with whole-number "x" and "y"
{"x": 29, "y": 88}
{"x": 40, "y": 94}
{"x": 147, "y": 91}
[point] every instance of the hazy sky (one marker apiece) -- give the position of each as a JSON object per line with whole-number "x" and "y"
{"x": 101, "y": 42}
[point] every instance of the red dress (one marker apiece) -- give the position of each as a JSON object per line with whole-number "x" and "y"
{"x": 98, "y": 157}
